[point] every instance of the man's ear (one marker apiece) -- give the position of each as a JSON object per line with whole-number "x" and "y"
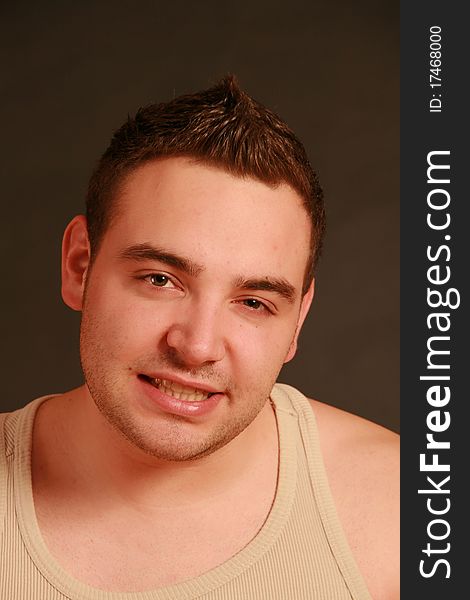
{"x": 75, "y": 262}
{"x": 304, "y": 308}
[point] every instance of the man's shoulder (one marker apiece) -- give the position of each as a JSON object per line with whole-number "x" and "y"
{"x": 360, "y": 456}
{"x": 338, "y": 428}
{"x": 362, "y": 464}
{"x": 16, "y": 424}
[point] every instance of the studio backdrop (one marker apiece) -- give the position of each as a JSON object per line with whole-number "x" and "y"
{"x": 72, "y": 73}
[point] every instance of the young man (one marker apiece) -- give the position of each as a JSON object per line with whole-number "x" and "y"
{"x": 180, "y": 469}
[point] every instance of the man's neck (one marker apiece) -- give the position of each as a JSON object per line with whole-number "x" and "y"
{"x": 79, "y": 448}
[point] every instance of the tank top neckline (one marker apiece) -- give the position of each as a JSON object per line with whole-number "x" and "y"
{"x": 286, "y": 419}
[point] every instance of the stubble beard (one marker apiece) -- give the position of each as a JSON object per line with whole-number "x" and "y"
{"x": 168, "y": 437}
{"x": 168, "y": 441}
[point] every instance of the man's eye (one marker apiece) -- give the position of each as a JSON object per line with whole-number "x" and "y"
{"x": 158, "y": 279}
{"x": 254, "y": 304}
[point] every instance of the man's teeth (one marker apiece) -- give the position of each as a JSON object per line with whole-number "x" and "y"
{"x": 181, "y": 392}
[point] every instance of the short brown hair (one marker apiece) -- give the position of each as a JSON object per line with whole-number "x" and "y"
{"x": 222, "y": 126}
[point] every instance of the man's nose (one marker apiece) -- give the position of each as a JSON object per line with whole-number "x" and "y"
{"x": 197, "y": 335}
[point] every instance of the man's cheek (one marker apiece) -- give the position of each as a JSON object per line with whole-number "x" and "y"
{"x": 132, "y": 328}
{"x": 269, "y": 346}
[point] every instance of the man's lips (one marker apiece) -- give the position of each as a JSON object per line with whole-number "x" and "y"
{"x": 182, "y": 400}
{"x": 184, "y": 391}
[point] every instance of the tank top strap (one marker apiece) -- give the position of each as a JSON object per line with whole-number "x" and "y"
{"x": 3, "y": 474}
{"x": 321, "y": 490}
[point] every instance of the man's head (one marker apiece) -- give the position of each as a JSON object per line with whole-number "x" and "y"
{"x": 191, "y": 277}
{"x": 221, "y": 126}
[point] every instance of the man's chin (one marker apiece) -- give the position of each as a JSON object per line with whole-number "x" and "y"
{"x": 166, "y": 436}
{"x": 173, "y": 439}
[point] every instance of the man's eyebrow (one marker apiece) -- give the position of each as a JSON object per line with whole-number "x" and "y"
{"x": 270, "y": 284}
{"x": 141, "y": 252}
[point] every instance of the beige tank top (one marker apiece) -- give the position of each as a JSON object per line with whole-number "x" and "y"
{"x": 300, "y": 553}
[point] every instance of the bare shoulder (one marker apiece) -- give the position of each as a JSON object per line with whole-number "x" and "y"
{"x": 362, "y": 464}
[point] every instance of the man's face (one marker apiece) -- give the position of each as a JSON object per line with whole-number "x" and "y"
{"x": 192, "y": 305}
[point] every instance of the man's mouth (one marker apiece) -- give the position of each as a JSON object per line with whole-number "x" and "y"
{"x": 178, "y": 391}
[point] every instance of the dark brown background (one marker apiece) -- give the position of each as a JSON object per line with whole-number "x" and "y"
{"x": 74, "y": 70}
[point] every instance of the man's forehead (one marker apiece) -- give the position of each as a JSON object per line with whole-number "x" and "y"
{"x": 176, "y": 180}
{"x": 200, "y": 210}
{"x": 185, "y": 174}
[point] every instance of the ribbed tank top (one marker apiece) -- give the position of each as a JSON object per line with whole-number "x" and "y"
{"x": 300, "y": 553}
